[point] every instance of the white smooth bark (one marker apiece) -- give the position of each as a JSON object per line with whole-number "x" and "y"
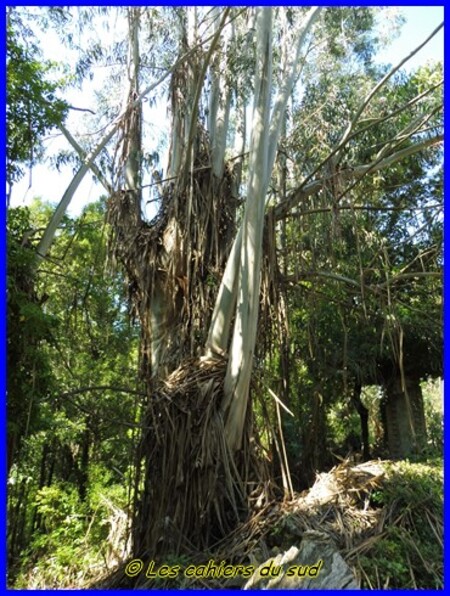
{"x": 220, "y": 138}
{"x": 175, "y": 146}
{"x": 220, "y": 105}
{"x": 291, "y": 74}
{"x": 82, "y": 155}
{"x": 246, "y": 285}
{"x": 237, "y": 379}
{"x": 219, "y": 330}
{"x": 58, "y": 214}
{"x": 134, "y": 142}
{"x": 193, "y": 113}
{"x": 221, "y": 320}
{"x": 215, "y": 84}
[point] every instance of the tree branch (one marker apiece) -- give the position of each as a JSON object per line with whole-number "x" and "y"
{"x": 81, "y": 109}
{"x": 67, "y": 396}
{"x": 215, "y": 41}
{"x": 304, "y": 191}
{"x": 82, "y": 155}
{"x": 101, "y": 388}
{"x": 324, "y": 274}
{"x": 403, "y": 276}
{"x": 384, "y": 80}
{"x": 60, "y": 210}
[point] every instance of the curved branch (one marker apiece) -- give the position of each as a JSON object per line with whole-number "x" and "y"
{"x": 67, "y": 395}
{"x": 82, "y": 155}
{"x": 411, "y": 275}
{"x": 304, "y": 191}
{"x": 324, "y": 274}
{"x": 101, "y": 388}
{"x": 384, "y": 80}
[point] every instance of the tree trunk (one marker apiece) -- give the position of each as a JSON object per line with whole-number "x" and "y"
{"x": 314, "y": 453}
{"x": 197, "y": 486}
{"x": 364, "y": 419}
{"x": 187, "y": 486}
{"x": 237, "y": 380}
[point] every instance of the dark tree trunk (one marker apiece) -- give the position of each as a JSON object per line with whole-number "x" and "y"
{"x": 364, "y": 419}
{"x": 315, "y": 453}
{"x": 36, "y": 517}
{"x": 17, "y": 524}
{"x": 84, "y": 463}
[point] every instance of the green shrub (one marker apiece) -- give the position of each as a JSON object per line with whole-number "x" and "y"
{"x": 410, "y": 554}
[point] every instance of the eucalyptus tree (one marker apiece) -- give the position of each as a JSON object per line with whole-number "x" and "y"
{"x": 185, "y": 240}
{"x": 195, "y": 269}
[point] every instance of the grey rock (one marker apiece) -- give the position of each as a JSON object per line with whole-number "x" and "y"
{"x": 315, "y": 565}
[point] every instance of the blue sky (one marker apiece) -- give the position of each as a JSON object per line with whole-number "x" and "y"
{"x": 421, "y": 21}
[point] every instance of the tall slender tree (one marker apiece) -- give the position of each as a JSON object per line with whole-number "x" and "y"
{"x": 194, "y": 271}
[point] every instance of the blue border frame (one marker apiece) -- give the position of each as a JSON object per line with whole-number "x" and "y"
{"x": 3, "y": 271}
